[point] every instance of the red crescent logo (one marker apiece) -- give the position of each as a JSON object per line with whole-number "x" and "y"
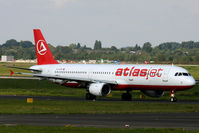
{"x": 41, "y": 49}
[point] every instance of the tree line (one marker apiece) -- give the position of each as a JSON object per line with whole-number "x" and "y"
{"x": 167, "y": 53}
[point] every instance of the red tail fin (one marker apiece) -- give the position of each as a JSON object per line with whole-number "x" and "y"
{"x": 44, "y": 55}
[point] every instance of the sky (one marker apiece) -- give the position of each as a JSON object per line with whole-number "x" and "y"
{"x": 118, "y": 23}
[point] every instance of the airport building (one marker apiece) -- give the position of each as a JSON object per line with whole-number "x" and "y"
{"x": 5, "y": 58}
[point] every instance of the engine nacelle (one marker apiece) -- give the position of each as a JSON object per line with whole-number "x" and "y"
{"x": 153, "y": 93}
{"x": 57, "y": 81}
{"x": 99, "y": 89}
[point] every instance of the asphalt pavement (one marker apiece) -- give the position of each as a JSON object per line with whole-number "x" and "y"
{"x": 188, "y": 121}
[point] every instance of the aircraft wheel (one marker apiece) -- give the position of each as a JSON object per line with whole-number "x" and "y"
{"x": 173, "y": 99}
{"x": 126, "y": 97}
{"x": 90, "y": 96}
{"x": 172, "y": 96}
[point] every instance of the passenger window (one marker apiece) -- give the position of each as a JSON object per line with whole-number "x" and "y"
{"x": 176, "y": 74}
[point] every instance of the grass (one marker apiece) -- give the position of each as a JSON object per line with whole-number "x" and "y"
{"x": 37, "y": 88}
{"x": 194, "y": 70}
{"x": 53, "y": 129}
{"x": 19, "y": 106}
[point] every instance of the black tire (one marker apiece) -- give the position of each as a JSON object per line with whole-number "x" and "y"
{"x": 90, "y": 96}
{"x": 173, "y": 99}
{"x": 126, "y": 97}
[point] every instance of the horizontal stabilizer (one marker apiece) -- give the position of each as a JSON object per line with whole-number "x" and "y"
{"x": 34, "y": 70}
{"x": 11, "y": 72}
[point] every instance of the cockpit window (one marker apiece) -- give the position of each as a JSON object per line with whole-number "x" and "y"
{"x": 182, "y": 74}
{"x": 185, "y": 74}
{"x": 176, "y": 74}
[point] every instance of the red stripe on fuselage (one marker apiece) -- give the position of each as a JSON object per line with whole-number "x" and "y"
{"x": 139, "y": 87}
{"x": 151, "y": 87}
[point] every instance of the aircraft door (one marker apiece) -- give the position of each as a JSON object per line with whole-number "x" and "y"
{"x": 165, "y": 76}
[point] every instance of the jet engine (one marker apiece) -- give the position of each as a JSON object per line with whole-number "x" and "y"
{"x": 99, "y": 89}
{"x": 153, "y": 93}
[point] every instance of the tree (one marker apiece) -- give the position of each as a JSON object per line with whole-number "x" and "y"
{"x": 98, "y": 45}
{"x": 197, "y": 58}
{"x": 147, "y": 47}
{"x": 169, "y": 45}
{"x": 72, "y": 46}
{"x": 10, "y": 43}
{"x": 113, "y": 48}
{"x": 78, "y": 46}
{"x": 136, "y": 48}
{"x": 26, "y": 44}
{"x": 162, "y": 57}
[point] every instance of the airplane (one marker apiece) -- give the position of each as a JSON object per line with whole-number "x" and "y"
{"x": 101, "y": 79}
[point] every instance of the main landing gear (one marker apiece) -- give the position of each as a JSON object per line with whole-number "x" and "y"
{"x": 172, "y": 96}
{"x": 126, "y": 96}
{"x": 89, "y": 96}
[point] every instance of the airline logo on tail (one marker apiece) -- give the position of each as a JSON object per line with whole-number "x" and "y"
{"x": 44, "y": 55}
{"x": 41, "y": 49}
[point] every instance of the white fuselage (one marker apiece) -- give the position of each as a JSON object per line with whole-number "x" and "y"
{"x": 150, "y": 77}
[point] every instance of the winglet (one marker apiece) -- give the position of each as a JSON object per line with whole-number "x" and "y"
{"x": 11, "y": 72}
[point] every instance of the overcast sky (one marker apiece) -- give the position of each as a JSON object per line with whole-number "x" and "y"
{"x": 114, "y": 22}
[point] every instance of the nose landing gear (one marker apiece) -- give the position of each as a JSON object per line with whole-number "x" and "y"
{"x": 172, "y": 96}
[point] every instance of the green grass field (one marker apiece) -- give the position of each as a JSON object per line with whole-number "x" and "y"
{"x": 20, "y": 106}
{"x": 52, "y": 129}
{"x": 37, "y": 88}
{"x": 194, "y": 70}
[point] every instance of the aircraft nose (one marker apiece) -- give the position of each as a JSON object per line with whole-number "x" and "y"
{"x": 191, "y": 82}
